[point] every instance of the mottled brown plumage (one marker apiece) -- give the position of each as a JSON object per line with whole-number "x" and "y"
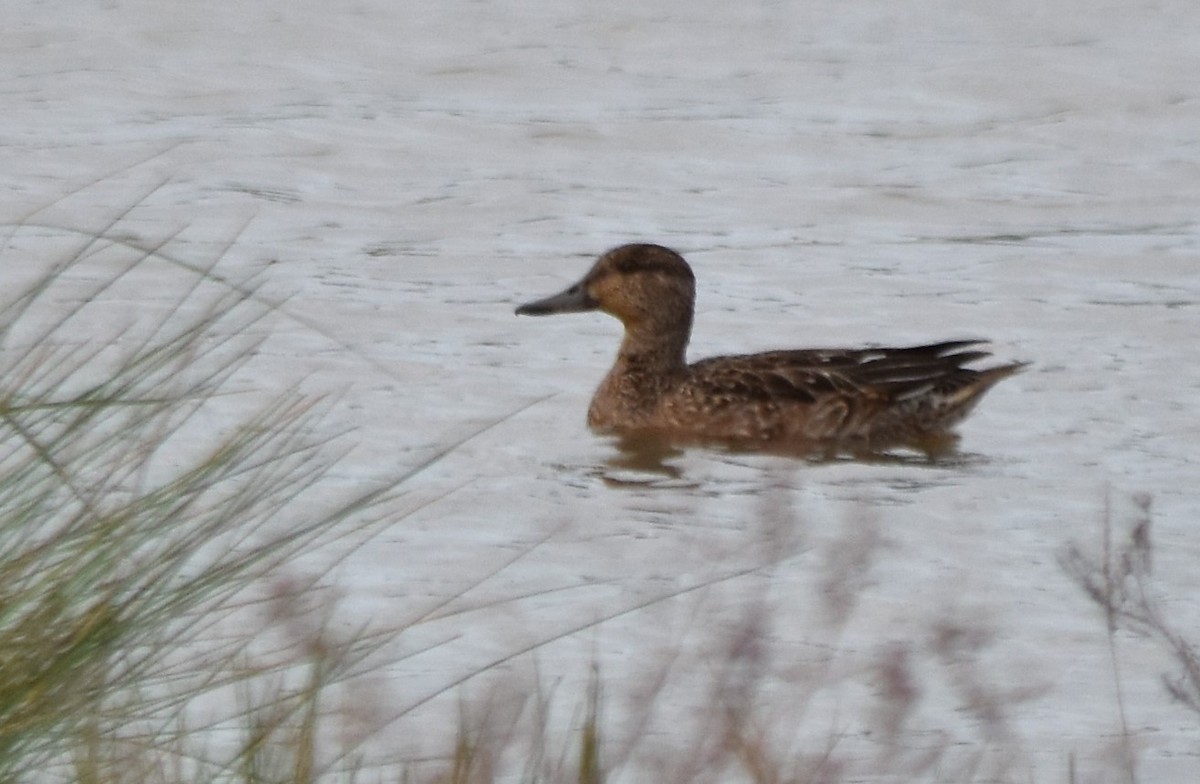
{"x": 814, "y": 400}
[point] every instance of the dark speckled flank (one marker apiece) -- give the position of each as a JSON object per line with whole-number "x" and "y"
{"x": 823, "y": 401}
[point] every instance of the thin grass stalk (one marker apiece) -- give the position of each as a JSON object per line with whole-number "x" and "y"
{"x": 590, "y": 769}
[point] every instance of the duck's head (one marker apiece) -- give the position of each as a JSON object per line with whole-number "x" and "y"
{"x": 645, "y": 286}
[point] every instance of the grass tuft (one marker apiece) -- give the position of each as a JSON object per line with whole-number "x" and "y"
{"x": 137, "y": 519}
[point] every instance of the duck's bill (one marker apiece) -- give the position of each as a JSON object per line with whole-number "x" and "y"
{"x": 573, "y": 300}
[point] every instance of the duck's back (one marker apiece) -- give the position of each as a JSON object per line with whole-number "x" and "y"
{"x": 859, "y": 399}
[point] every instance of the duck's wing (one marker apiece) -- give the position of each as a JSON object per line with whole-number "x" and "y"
{"x": 869, "y": 374}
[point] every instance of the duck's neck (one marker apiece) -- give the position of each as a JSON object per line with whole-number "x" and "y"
{"x": 650, "y": 362}
{"x": 660, "y": 348}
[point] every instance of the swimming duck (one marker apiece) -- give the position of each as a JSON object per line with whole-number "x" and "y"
{"x": 831, "y": 401}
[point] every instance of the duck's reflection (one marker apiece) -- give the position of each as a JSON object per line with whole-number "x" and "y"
{"x": 640, "y": 460}
{"x": 648, "y": 459}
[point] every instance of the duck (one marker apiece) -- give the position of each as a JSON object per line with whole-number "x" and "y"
{"x": 817, "y": 401}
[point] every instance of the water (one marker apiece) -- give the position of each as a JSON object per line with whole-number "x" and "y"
{"x": 401, "y": 175}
